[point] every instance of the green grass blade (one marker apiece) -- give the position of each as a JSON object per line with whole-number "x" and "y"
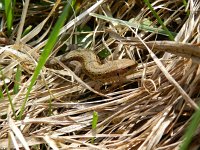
{"x": 171, "y": 37}
{"x": 185, "y": 3}
{"x": 27, "y": 30}
{"x": 1, "y": 94}
{"x": 47, "y": 50}
{"x": 94, "y": 125}
{"x": 9, "y": 15}
{"x": 17, "y": 79}
{"x": 9, "y": 97}
{"x": 133, "y": 24}
{"x": 191, "y": 130}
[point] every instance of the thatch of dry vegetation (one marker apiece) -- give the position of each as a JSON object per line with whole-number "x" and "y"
{"x": 149, "y": 109}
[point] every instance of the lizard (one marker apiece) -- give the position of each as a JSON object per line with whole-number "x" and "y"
{"x": 111, "y": 71}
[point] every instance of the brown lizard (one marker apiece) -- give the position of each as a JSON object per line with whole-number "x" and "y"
{"x": 111, "y": 71}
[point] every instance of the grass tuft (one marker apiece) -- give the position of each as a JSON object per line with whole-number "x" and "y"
{"x": 47, "y": 50}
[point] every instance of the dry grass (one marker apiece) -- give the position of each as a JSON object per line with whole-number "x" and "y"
{"x": 149, "y": 111}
